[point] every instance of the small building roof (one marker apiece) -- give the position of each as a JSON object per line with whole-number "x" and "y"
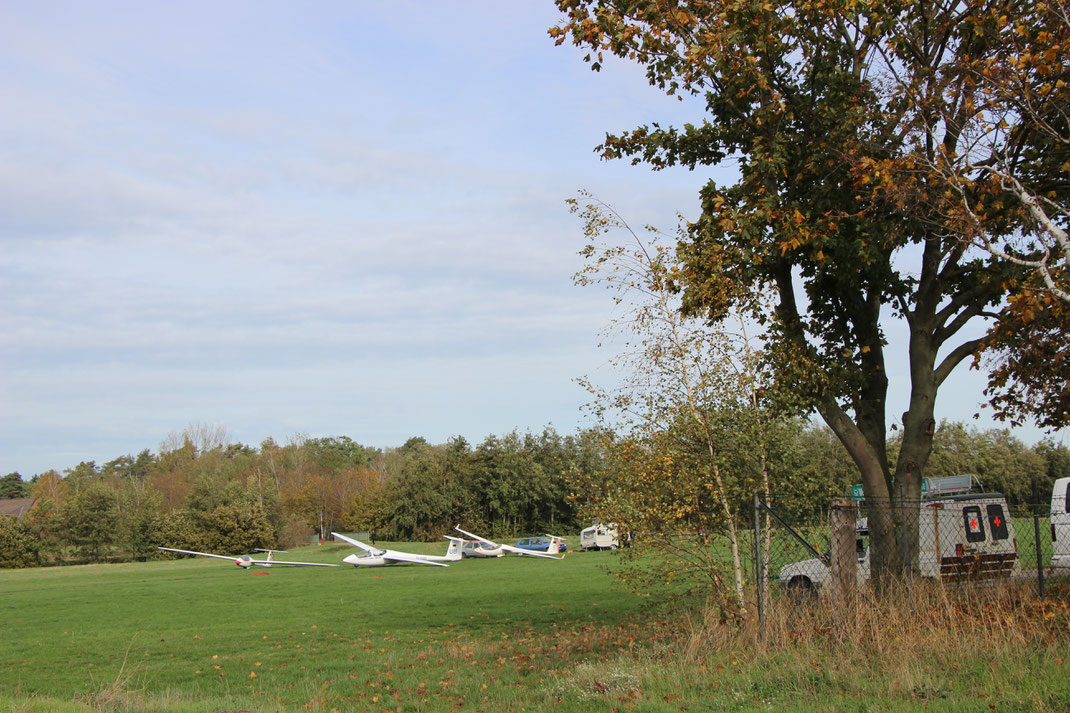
{"x": 16, "y": 507}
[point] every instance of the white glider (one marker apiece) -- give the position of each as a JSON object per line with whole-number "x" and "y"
{"x": 245, "y": 561}
{"x": 490, "y": 548}
{"x": 378, "y": 557}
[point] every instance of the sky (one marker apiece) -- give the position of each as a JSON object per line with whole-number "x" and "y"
{"x": 327, "y": 219}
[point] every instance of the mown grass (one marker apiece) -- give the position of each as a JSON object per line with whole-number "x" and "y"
{"x": 285, "y": 638}
{"x": 493, "y": 635}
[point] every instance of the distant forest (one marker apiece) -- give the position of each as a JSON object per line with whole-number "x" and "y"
{"x": 202, "y": 492}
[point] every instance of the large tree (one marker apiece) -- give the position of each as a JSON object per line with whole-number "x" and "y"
{"x": 835, "y": 113}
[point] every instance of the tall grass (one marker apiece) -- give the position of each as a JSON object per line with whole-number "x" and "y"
{"x": 1001, "y": 616}
{"x": 947, "y": 648}
{"x": 929, "y": 649}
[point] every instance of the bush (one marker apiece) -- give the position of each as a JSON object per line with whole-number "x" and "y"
{"x": 19, "y": 544}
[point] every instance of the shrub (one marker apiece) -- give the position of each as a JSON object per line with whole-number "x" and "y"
{"x": 19, "y": 544}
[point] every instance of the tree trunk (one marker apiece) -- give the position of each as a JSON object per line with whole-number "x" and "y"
{"x": 918, "y": 429}
{"x": 733, "y": 538}
{"x": 884, "y": 560}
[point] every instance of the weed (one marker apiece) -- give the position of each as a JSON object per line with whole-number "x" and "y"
{"x": 115, "y": 695}
{"x": 590, "y": 680}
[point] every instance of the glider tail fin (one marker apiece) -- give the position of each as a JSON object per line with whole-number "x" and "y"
{"x": 555, "y": 545}
{"x": 454, "y": 550}
{"x": 269, "y": 553}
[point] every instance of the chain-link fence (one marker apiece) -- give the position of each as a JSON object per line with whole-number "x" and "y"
{"x": 968, "y": 539}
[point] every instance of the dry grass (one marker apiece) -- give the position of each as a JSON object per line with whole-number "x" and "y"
{"x": 928, "y": 646}
{"x": 917, "y": 637}
{"x": 1001, "y": 618}
{"x": 117, "y": 694}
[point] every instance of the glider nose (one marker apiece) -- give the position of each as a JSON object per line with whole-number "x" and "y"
{"x": 351, "y": 559}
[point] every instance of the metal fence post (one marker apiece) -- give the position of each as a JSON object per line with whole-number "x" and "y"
{"x": 1036, "y": 546}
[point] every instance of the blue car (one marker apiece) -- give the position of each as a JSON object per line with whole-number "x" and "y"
{"x": 539, "y": 544}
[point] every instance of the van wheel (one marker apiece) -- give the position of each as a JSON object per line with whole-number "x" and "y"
{"x": 801, "y": 588}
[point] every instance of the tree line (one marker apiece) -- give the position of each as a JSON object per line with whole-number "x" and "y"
{"x": 203, "y": 493}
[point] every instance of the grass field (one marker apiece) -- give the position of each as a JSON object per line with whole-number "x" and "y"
{"x": 425, "y": 638}
{"x": 511, "y": 634}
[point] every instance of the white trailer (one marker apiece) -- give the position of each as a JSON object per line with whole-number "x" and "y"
{"x": 599, "y": 537}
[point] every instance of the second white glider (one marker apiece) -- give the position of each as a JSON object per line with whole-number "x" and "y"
{"x": 378, "y": 557}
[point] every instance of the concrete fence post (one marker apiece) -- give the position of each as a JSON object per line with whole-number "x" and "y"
{"x": 844, "y": 559}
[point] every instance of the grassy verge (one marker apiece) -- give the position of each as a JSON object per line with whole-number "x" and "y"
{"x": 514, "y": 634}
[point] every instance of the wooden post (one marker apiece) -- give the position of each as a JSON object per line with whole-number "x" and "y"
{"x": 844, "y": 558}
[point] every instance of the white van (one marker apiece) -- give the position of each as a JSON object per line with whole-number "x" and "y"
{"x": 1060, "y": 523}
{"x": 959, "y": 537}
{"x": 599, "y": 537}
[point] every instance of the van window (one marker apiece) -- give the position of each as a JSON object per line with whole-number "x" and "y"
{"x": 975, "y": 528}
{"x": 997, "y": 521}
